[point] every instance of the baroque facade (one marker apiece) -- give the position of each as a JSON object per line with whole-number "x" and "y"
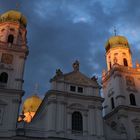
{"x": 73, "y": 108}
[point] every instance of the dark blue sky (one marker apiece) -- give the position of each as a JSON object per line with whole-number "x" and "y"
{"x": 60, "y": 31}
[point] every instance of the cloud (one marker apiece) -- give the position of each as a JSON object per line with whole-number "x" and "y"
{"x": 60, "y": 31}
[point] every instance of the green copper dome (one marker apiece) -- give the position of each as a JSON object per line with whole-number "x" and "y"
{"x": 14, "y": 15}
{"x": 115, "y": 41}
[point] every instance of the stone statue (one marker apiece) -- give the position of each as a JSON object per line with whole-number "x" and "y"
{"x": 76, "y": 65}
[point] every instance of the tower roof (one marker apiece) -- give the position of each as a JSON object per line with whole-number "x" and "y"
{"x": 31, "y": 104}
{"x": 116, "y": 40}
{"x": 14, "y": 15}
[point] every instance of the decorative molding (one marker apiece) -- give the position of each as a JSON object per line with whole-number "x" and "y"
{"x": 76, "y": 96}
{"x": 120, "y": 68}
{"x": 122, "y": 107}
{"x": 120, "y": 96}
{"x": 131, "y": 89}
{"x": 20, "y": 80}
{"x": 91, "y": 106}
{"x": 77, "y": 106}
{"x": 50, "y": 101}
{"x": 6, "y": 66}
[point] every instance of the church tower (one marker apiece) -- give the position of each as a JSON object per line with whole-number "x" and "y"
{"x": 118, "y": 51}
{"x": 13, "y": 53}
{"x": 121, "y": 89}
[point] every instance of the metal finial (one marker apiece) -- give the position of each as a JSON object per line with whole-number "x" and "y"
{"x": 115, "y": 31}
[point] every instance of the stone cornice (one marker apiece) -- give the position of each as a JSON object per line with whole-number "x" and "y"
{"x": 47, "y": 100}
{"x": 20, "y": 80}
{"x": 70, "y": 83}
{"x": 122, "y": 107}
{"x": 16, "y": 48}
{"x": 122, "y": 69}
{"x": 91, "y": 106}
{"x": 74, "y": 95}
{"x": 12, "y": 91}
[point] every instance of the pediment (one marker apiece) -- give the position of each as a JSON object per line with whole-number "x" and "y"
{"x": 79, "y": 78}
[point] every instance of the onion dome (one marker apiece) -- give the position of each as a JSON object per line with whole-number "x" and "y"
{"x": 15, "y": 16}
{"x": 116, "y": 41}
{"x": 31, "y": 104}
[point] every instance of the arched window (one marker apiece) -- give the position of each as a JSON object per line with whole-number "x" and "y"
{"x": 125, "y": 62}
{"x": 10, "y": 39}
{"x": 4, "y": 77}
{"x": 77, "y": 122}
{"x": 132, "y": 99}
{"x": 112, "y": 103}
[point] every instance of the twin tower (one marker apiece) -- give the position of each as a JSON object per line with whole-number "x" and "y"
{"x": 13, "y": 53}
{"x": 121, "y": 90}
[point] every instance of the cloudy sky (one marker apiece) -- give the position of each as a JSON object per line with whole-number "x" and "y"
{"x": 61, "y": 31}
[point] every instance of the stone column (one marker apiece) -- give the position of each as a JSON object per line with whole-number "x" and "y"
{"x": 51, "y": 116}
{"x": 99, "y": 121}
{"x": 91, "y": 120}
{"x": 69, "y": 123}
{"x": 85, "y": 124}
{"x": 60, "y": 117}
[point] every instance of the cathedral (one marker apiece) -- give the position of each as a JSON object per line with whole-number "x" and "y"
{"x": 73, "y": 108}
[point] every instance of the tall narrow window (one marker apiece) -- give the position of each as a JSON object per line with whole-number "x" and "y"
{"x": 112, "y": 102}
{"x": 125, "y": 62}
{"x": 10, "y": 39}
{"x": 4, "y": 77}
{"x": 132, "y": 99}
{"x": 77, "y": 122}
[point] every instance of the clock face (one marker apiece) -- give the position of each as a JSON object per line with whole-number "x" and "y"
{"x": 7, "y": 58}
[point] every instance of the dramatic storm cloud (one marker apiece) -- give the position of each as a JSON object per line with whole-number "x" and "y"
{"x": 61, "y": 31}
